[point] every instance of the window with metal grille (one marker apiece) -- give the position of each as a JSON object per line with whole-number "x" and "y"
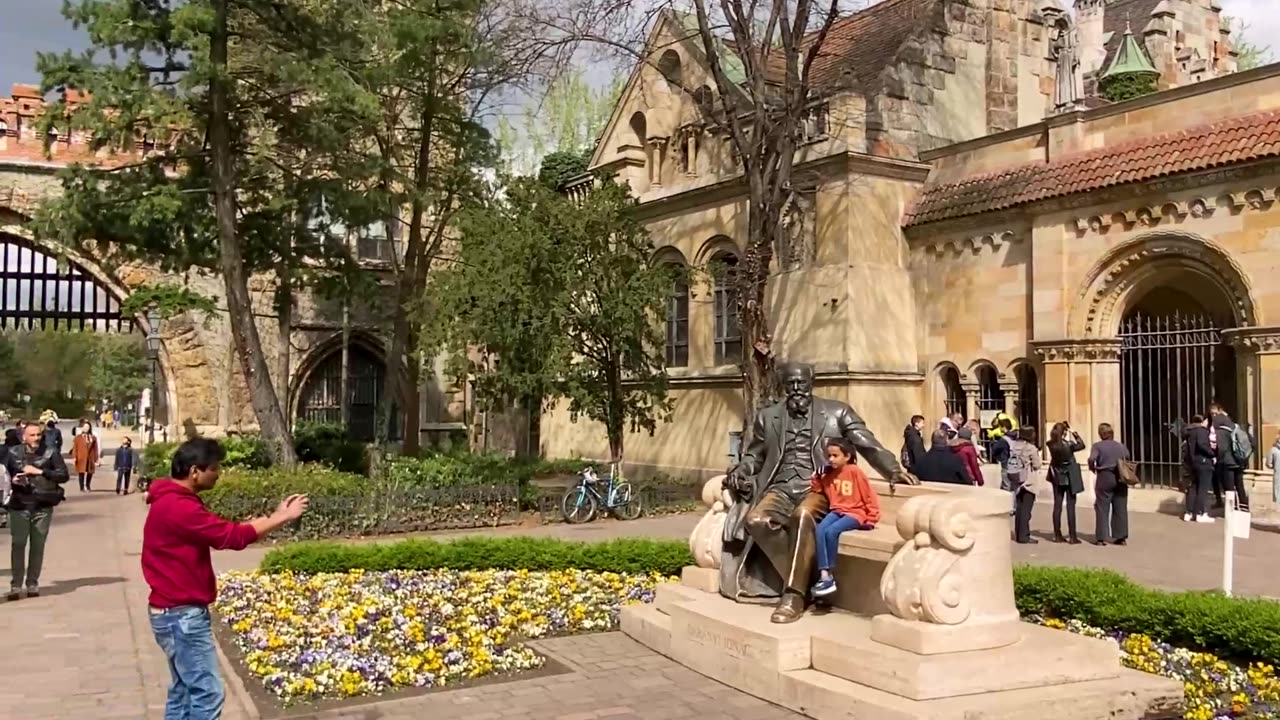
{"x": 728, "y": 328}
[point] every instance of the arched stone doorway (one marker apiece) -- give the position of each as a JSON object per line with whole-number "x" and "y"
{"x": 44, "y": 289}
{"x": 1165, "y": 300}
{"x": 319, "y": 398}
{"x": 1173, "y": 364}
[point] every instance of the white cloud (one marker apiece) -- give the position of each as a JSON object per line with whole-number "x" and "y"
{"x": 1261, "y": 18}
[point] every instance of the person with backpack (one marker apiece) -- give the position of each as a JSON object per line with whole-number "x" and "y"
{"x": 37, "y": 473}
{"x": 1021, "y": 469}
{"x": 1234, "y": 450}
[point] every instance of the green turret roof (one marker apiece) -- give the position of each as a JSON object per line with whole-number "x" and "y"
{"x": 1130, "y": 58}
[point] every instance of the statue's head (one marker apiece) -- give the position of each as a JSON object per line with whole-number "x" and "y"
{"x": 797, "y": 383}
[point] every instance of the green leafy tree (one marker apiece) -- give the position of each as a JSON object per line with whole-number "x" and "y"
{"x": 244, "y": 122}
{"x": 12, "y": 379}
{"x": 1127, "y": 86}
{"x": 562, "y": 166}
{"x": 120, "y": 369}
{"x": 560, "y": 300}
{"x": 568, "y": 119}
{"x": 1249, "y": 54}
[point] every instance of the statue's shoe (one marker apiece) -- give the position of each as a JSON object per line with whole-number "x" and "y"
{"x": 789, "y": 608}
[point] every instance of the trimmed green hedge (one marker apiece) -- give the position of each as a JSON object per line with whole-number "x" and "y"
{"x": 483, "y": 553}
{"x": 1239, "y": 629}
{"x": 242, "y": 451}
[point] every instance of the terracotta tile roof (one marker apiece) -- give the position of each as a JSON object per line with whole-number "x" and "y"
{"x": 1241, "y": 139}
{"x": 860, "y": 46}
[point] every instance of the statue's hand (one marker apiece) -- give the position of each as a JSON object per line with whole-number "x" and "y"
{"x": 738, "y": 483}
{"x": 903, "y": 477}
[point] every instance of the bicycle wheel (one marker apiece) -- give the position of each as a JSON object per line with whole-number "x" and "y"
{"x": 578, "y": 505}
{"x": 627, "y": 504}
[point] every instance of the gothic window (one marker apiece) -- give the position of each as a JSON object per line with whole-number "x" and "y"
{"x": 728, "y": 328}
{"x": 677, "y": 321}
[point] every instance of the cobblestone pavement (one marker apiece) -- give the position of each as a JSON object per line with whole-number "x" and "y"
{"x": 83, "y": 650}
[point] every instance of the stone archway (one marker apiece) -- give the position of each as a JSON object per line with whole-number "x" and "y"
{"x": 1165, "y": 300}
{"x": 167, "y": 409}
{"x": 316, "y": 395}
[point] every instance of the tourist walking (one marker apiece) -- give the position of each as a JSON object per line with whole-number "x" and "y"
{"x": 1273, "y": 463}
{"x": 1199, "y": 458}
{"x": 176, "y": 539}
{"x": 1022, "y": 468}
{"x": 1066, "y": 479}
{"x": 36, "y": 474}
{"x": 84, "y": 453}
{"x": 940, "y": 464}
{"x": 912, "y": 442}
{"x": 53, "y": 436}
{"x": 1234, "y": 448}
{"x": 1111, "y": 495}
{"x": 124, "y": 466}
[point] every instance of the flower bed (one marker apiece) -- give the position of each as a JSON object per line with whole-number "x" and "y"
{"x": 341, "y": 635}
{"x": 1215, "y": 689}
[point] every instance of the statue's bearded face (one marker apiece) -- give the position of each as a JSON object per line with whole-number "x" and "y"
{"x": 799, "y": 387}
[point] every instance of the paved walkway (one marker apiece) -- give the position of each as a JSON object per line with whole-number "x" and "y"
{"x": 84, "y": 648}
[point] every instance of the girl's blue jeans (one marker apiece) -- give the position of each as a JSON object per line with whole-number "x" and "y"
{"x": 829, "y": 537}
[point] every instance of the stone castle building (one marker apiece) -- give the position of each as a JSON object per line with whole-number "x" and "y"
{"x": 973, "y": 231}
{"x": 202, "y": 388}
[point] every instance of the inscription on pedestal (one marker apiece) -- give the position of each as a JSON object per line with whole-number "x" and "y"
{"x": 735, "y": 647}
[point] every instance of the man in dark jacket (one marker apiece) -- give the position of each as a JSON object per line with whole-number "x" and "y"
{"x": 53, "y": 436}
{"x": 940, "y": 464}
{"x": 1228, "y": 471}
{"x": 37, "y": 473}
{"x": 913, "y": 442}
{"x": 1199, "y": 459}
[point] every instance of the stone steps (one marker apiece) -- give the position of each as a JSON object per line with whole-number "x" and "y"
{"x": 827, "y": 667}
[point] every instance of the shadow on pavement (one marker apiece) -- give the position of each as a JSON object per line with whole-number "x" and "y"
{"x": 62, "y": 587}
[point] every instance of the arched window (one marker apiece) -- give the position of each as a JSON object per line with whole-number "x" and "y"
{"x": 670, "y": 67}
{"x": 953, "y": 400}
{"x": 640, "y": 127}
{"x": 677, "y": 344}
{"x": 728, "y": 329}
{"x": 1028, "y": 410}
{"x": 320, "y": 399}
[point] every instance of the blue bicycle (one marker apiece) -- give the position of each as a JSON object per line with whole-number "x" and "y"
{"x": 582, "y": 501}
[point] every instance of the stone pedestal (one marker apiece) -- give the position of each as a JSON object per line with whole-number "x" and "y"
{"x": 951, "y": 646}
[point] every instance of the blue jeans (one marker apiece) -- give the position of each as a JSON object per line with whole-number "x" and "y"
{"x": 828, "y": 533}
{"x": 186, "y": 636}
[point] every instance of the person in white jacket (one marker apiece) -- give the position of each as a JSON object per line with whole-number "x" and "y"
{"x": 1273, "y": 462}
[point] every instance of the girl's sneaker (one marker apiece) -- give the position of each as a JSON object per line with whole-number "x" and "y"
{"x": 824, "y": 587}
{"x": 1203, "y": 519}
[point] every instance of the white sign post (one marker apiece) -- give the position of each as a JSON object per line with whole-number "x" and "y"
{"x": 1228, "y": 542}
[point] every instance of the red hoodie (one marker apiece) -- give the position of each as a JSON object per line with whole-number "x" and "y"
{"x": 175, "y": 546}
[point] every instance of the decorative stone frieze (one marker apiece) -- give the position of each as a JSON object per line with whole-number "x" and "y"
{"x": 975, "y": 244}
{"x": 1252, "y": 199}
{"x": 1079, "y": 350}
{"x": 1259, "y": 340}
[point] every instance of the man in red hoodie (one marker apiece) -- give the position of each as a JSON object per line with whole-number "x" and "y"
{"x": 176, "y": 540}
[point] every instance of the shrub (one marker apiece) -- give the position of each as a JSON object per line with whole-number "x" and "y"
{"x": 1239, "y": 629}
{"x": 330, "y": 445}
{"x": 243, "y": 451}
{"x": 346, "y": 504}
{"x": 484, "y": 553}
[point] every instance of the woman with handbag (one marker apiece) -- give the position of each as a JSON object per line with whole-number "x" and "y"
{"x": 1065, "y": 476}
{"x": 1111, "y": 493}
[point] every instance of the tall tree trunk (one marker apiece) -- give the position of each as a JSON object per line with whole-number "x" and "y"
{"x": 284, "y": 315}
{"x": 244, "y": 328}
{"x": 759, "y": 376}
{"x": 344, "y": 403}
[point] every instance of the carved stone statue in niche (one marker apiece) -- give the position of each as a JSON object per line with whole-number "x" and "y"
{"x": 799, "y": 235}
{"x": 1064, "y": 50}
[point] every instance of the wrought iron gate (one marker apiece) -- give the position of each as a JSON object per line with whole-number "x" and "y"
{"x": 1171, "y": 368}
{"x": 321, "y": 398}
{"x": 35, "y": 293}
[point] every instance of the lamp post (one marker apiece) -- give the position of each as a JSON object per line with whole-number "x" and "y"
{"x": 153, "y": 352}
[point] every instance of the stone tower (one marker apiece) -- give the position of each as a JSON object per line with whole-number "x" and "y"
{"x": 1186, "y": 40}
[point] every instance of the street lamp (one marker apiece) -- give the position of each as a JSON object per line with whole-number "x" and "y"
{"x": 153, "y": 352}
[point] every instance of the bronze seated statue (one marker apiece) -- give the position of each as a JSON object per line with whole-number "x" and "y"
{"x": 769, "y": 535}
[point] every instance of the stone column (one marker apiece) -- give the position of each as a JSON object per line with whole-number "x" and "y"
{"x": 1011, "y": 393}
{"x": 971, "y": 391}
{"x": 657, "y": 147}
{"x": 1081, "y": 383}
{"x": 1258, "y": 359}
